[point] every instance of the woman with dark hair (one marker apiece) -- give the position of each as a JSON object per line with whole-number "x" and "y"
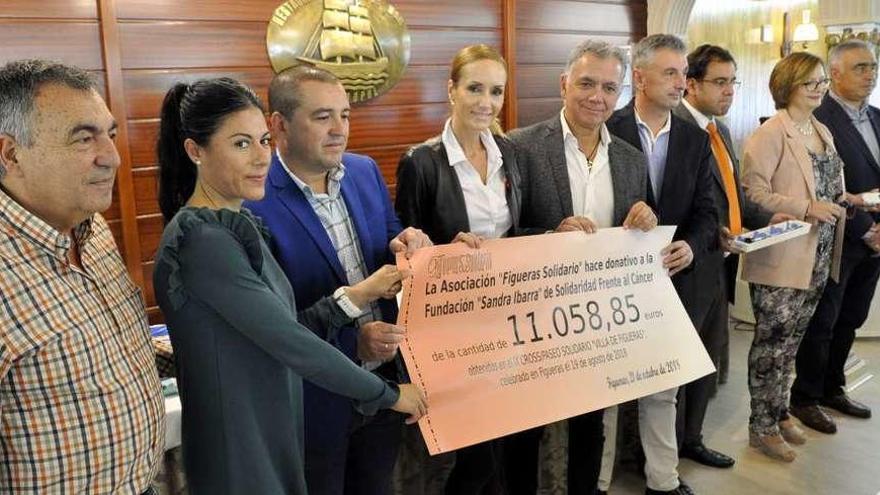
{"x": 241, "y": 353}
{"x": 790, "y": 166}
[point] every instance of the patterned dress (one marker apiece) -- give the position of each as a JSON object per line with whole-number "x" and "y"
{"x": 783, "y": 313}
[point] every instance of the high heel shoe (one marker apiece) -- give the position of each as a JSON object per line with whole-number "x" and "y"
{"x": 772, "y": 446}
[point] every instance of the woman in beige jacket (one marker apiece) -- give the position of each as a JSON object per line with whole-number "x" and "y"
{"x": 790, "y": 166}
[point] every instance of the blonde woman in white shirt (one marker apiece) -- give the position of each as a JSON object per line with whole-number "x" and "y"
{"x": 463, "y": 185}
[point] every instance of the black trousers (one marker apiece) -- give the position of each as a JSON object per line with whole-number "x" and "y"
{"x": 586, "y": 438}
{"x": 693, "y": 398}
{"x": 474, "y": 469}
{"x": 362, "y": 466}
{"x": 825, "y": 347}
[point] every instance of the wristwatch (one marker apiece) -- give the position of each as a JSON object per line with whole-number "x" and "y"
{"x": 342, "y": 300}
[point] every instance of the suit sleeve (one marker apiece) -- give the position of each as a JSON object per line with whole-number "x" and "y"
{"x": 523, "y": 166}
{"x": 392, "y": 223}
{"x": 761, "y": 157}
{"x": 411, "y": 200}
{"x": 702, "y": 233}
{"x": 231, "y": 288}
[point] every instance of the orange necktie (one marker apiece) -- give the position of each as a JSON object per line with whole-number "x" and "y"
{"x": 726, "y": 168}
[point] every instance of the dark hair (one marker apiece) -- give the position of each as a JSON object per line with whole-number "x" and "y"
{"x": 284, "y": 90}
{"x": 702, "y": 56}
{"x": 193, "y": 111}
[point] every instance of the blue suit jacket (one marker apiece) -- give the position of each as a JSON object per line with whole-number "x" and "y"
{"x": 308, "y": 258}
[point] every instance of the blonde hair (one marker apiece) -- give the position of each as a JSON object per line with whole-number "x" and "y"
{"x": 789, "y": 73}
{"x": 475, "y": 53}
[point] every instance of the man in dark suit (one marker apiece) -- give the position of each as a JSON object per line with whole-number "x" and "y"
{"x": 711, "y": 84}
{"x": 332, "y": 226}
{"x": 577, "y": 176}
{"x": 680, "y": 190}
{"x": 844, "y": 306}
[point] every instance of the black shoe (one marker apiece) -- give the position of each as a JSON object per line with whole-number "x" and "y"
{"x": 682, "y": 489}
{"x": 814, "y": 417}
{"x": 698, "y": 452}
{"x": 848, "y": 406}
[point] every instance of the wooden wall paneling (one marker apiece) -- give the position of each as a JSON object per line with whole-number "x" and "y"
{"x": 552, "y": 48}
{"x": 533, "y": 110}
{"x": 190, "y": 44}
{"x": 459, "y": 13}
{"x": 451, "y": 13}
{"x": 381, "y": 126}
{"x": 72, "y": 42}
{"x": 145, "y": 89}
{"x": 59, "y": 9}
{"x": 116, "y": 102}
{"x": 150, "y": 228}
{"x": 508, "y": 29}
{"x": 592, "y": 17}
{"x": 146, "y": 188}
{"x": 387, "y": 157}
{"x": 539, "y": 81}
{"x": 200, "y": 10}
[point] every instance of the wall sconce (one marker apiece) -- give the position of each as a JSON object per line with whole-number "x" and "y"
{"x": 804, "y": 33}
{"x": 767, "y": 33}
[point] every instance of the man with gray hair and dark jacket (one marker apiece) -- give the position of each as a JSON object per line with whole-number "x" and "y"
{"x": 577, "y": 176}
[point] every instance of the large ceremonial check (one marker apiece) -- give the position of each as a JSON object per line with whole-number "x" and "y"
{"x": 530, "y": 330}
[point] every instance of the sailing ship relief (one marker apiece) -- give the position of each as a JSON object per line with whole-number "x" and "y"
{"x": 344, "y": 41}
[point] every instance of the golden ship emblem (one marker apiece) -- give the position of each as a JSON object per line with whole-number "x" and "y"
{"x": 363, "y": 42}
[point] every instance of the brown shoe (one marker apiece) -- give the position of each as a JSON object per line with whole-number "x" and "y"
{"x": 814, "y": 417}
{"x": 792, "y": 433}
{"x": 773, "y": 446}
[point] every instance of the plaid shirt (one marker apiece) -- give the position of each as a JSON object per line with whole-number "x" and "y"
{"x": 80, "y": 399}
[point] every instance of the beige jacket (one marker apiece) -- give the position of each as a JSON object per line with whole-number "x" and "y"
{"x": 778, "y": 175}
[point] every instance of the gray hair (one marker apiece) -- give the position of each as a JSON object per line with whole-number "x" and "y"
{"x": 839, "y": 49}
{"x": 643, "y": 51}
{"x": 284, "y": 90}
{"x": 600, "y": 49}
{"x": 20, "y": 81}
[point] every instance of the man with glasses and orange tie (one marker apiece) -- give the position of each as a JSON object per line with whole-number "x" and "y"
{"x": 711, "y": 85}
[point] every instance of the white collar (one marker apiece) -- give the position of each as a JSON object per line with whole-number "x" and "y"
{"x": 702, "y": 119}
{"x": 604, "y": 135}
{"x": 455, "y": 153}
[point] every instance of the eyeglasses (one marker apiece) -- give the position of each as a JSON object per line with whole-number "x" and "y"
{"x": 722, "y": 83}
{"x": 815, "y": 85}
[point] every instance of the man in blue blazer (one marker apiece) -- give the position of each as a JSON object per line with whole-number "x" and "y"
{"x": 334, "y": 232}
{"x": 844, "y": 306}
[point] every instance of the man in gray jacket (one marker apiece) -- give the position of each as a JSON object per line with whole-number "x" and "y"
{"x": 577, "y": 176}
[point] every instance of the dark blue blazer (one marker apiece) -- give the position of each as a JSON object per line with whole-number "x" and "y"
{"x": 861, "y": 171}
{"x": 308, "y": 258}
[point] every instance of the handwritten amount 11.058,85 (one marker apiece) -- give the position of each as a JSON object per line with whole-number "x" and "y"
{"x": 577, "y": 318}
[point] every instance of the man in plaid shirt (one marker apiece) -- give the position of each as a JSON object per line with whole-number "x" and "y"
{"x": 80, "y": 403}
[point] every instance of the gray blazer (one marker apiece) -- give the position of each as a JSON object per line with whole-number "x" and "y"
{"x": 546, "y": 191}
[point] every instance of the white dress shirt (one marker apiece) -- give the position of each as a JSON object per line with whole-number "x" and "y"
{"x": 592, "y": 190}
{"x": 703, "y": 121}
{"x": 486, "y": 204}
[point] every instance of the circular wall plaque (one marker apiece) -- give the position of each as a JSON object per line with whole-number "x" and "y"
{"x": 364, "y": 43}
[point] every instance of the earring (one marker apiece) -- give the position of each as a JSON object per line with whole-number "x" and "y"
{"x": 197, "y": 162}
